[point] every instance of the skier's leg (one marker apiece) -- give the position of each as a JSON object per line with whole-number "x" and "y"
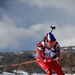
{"x": 57, "y": 68}
{"x": 45, "y": 67}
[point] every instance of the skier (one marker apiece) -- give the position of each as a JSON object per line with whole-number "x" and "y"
{"x": 48, "y": 55}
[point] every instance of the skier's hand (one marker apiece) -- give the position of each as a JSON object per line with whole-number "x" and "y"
{"x": 47, "y": 60}
{"x": 56, "y": 58}
{"x": 44, "y": 60}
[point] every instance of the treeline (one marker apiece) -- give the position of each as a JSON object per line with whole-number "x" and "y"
{"x": 67, "y": 61}
{"x": 9, "y": 58}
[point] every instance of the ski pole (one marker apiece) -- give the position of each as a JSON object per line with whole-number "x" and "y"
{"x": 23, "y": 63}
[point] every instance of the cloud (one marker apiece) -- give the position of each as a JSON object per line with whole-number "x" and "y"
{"x": 14, "y": 35}
{"x": 64, "y": 34}
{"x": 67, "y": 5}
{"x": 7, "y": 32}
{"x": 11, "y": 35}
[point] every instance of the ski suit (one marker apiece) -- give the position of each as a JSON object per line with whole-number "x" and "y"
{"x": 47, "y": 58}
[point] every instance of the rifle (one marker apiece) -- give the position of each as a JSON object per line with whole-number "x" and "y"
{"x": 52, "y": 28}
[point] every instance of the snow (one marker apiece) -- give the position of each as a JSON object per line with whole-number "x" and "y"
{"x": 65, "y": 48}
{"x": 52, "y": 74}
{"x": 20, "y": 72}
{"x": 73, "y": 48}
{"x": 6, "y": 73}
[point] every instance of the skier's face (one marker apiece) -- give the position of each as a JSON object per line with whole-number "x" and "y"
{"x": 51, "y": 43}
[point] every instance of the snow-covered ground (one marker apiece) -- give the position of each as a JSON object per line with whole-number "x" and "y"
{"x": 5, "y": 73}
{"x": 20, "y": 72}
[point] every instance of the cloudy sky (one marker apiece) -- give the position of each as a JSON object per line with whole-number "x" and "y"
{"x": 23, "y": 23}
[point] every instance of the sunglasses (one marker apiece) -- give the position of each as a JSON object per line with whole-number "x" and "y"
{"x": 51, "y": 42}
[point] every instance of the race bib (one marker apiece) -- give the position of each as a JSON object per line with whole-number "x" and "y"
{"x": 49, "y": 53}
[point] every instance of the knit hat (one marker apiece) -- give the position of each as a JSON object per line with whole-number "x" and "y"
{"x": 50, "y": 37}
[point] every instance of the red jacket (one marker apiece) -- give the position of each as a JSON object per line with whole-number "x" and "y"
{"x": 41, "y": 49}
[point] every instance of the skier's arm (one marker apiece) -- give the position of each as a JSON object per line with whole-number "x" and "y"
{"x": 40, "y": 51}
{"x": 57, "y": 51}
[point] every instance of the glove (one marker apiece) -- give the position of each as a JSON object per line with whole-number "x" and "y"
{"x": 44, "y": 60}
{"x": 47, "y": 60}
{"x": 55, "y": 58}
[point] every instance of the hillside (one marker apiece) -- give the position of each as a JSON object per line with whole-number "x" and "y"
{"x": 6, "y": 59}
